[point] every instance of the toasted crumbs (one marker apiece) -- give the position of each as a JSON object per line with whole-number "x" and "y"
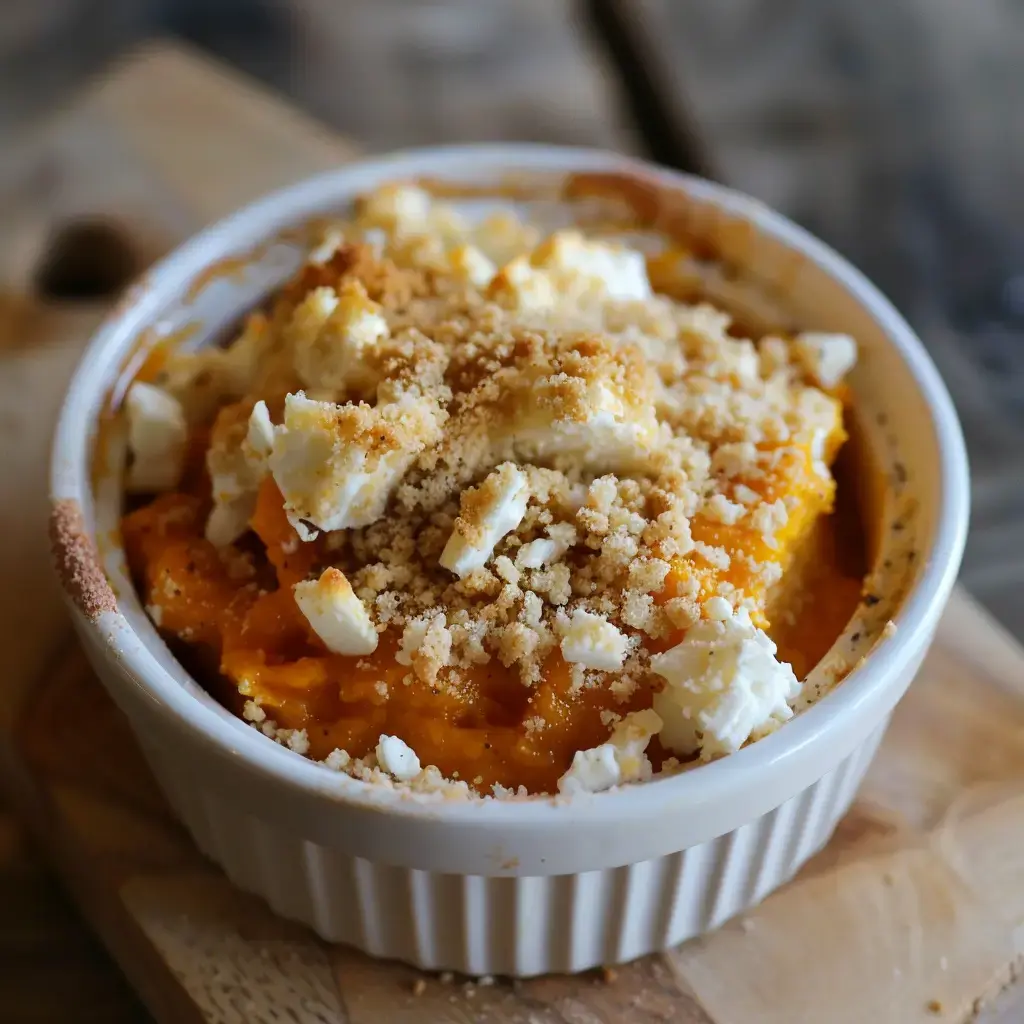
{"x": 77, "y": 561}
{"x": 934, "y": 1006}
{"x": 419, "y": 986}
{"x": 252, "y": 712}
{"x": 609, "y": 975}
{"x": 512, "y": 450}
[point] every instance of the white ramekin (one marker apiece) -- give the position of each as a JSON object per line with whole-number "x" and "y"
{"x": 523, "y": 887}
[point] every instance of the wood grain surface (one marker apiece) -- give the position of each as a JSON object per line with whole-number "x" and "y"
{"x": 108, "y": 155}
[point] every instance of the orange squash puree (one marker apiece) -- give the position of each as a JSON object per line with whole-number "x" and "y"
{"x": 238, "y": 606}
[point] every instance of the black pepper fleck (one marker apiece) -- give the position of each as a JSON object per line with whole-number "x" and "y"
{"x": 855, "y": 638}
{"x": 871, "y": 600}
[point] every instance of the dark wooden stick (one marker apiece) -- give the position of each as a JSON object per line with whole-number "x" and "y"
{"x": 666, "y": 126}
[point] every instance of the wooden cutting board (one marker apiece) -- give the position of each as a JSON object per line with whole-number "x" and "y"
{"x": 912, "y": 913}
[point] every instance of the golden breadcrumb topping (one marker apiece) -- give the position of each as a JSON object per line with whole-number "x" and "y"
{"x": 510, "y": 449}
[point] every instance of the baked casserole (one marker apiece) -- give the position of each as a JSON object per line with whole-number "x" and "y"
{"x": 475, "y": 509}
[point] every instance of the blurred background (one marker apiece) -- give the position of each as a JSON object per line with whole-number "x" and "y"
{"x": 893, "y": 130}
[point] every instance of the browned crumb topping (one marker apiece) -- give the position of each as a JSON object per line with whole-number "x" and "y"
{"x": 511, "y": 451}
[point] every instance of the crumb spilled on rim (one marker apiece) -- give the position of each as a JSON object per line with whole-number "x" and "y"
{"x": 77, "y": 562}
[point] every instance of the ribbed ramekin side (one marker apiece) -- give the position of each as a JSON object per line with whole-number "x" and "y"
{"x": 517, "y": 926}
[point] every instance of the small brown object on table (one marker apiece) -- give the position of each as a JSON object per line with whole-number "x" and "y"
{"x": 913, "y": 906}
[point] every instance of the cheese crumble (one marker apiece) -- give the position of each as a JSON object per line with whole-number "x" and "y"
{"x": 507, "y": 500}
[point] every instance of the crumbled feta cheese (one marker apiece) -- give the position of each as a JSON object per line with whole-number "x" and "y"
{"x": 622, "y": 759}
{"x": 401, "y": 209}
{"x": 592, "y": 771}
{"x": 536, "y": 553}
{"x": 569, "y": 267}
{"x": 487, "y": 513}
{"x": 157, "y": 438}
{"x": 768, "y": 520}
{"x": 228, "y": 521}
{"x": 724, "y": 686}
{"x": 260, "y": 435}
{"x": 596, "y": 423}
{"x": 720, "y": 509}
{"x": 297, "y": 740}
{"x": 617, "y": 272}
{"x": 523, "y": 287}
{"x": 332, "y": 240}
{"x": 237, "y": 462}
{"x": 501, "y": 236}
{"x": 338, "y": 760}
{"x": 717, "y": 609}
{"x": 337, "y": 465}
{"x": 336, "y": 615}
{"x": 333, "y": 336}
{"x": 252, "y": 712}
{"x": 470, "y": 264}
{"x": 827, "y": 358}
{"x": 746, "y": 495}
{"x": 592, "y": 641}
{"x": 397, "y": 758}
{"x": 426, "y": 645}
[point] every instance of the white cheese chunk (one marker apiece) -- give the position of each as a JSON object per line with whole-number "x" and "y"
{"x": 237, "y": 462}
{"x": 260, "y": 434}
{"x": 470, "y": 264}
{"x": 487, "y": 513}
{"x": 522, "y": 287}
{"x": 592, "y": 641}
{"x": 613, "y": 270}
{"x": 426, "y": 645}
{"x": 602, "y": 429}
{"x": 333, "y": 337}
{"x": 337, "y": 465}
{"x": 397, "y": 758}
{"x": 592, "y": 771}
{"x": 157, "y": 438}
{"x": 228, "y": 521}
{"x": 622, "y": 759}
{"x": 205, "y": 380}
{"x": 502, "y": 236}
{"x": 336, "y": 615}
{"x": 724, "y": 686}
{"x": 402, "y": 209}
{"x": 827, "y": 358}
{"x": 332, "y": 240}
{"x": 536, "y": 553}
{"x": 569, "y": 269}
